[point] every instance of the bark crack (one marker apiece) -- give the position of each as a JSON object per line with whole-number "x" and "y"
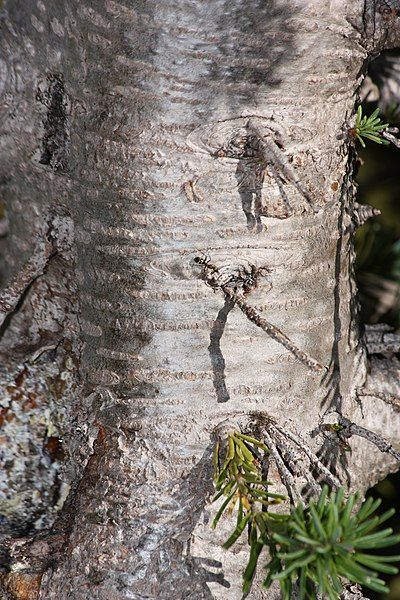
{"x": 55, "y": 141}
{"x": 13, "y": 296}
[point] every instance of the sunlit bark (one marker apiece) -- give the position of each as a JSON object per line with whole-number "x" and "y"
{"x": 155, "y": 133}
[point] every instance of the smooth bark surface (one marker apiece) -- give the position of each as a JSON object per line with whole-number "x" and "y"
{"x": 122, "y": 152}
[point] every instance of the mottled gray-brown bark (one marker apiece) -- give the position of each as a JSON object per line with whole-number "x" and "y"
{"x": 140, "y": 142}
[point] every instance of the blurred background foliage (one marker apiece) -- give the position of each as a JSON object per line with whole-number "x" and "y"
{"x": 378, "y": 249}
{"x": 378, "y": 241}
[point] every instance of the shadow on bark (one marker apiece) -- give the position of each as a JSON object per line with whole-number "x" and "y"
{"x": 255, "y": 38}
{"x": 331, "y": 453}
{"x": 190, "y": 571}
{"x": 332, "y": 399}
{"x": 199, "y": 566}
{"x": 217, "y": 358}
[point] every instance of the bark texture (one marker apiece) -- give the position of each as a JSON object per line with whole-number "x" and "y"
{"x": 137, "y": 137}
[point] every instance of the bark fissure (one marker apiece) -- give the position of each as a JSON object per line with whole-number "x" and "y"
{"x": 55, "y": 140}
{"x": 12, "y": 298}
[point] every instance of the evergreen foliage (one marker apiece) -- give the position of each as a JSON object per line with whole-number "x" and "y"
{"x": 313, "y": 549}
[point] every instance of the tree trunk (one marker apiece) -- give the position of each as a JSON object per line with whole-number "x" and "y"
{"x": 155, "y": 155}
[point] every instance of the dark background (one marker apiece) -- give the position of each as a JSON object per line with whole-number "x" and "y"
{"x": 378, "y": 278}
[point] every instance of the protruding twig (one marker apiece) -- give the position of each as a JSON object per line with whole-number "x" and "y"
{"x": 233, "y": 288}
{"x": 362, "y": 212}
{"x": 275, "y": 333}
{"x": 294, "y": 461}
{"x": 274, "y": 155}
{"x": 387, "y": 398}
{"x": 381, "y": 339}
{"x": 352, "y": 591}
{"x": 347, "y": 429}
{"x": 286, "y": 476}
{"x": 313, "y": 458}
{"x": 388, "y": 135}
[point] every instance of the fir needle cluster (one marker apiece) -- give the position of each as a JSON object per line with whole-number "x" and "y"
{"x": 313, "y": 549}
{"x": 371, "y": 128}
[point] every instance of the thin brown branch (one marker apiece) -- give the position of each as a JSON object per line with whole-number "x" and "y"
{"x": 274, "y": 156}
{"x": 381, "y": 339}
{"x": 286, "y": 476}
{"x": 233, "y": 288}
{"x": 387, "y": 398}
{"x": 348, "y": 429}
{"x": 313, "y": 458}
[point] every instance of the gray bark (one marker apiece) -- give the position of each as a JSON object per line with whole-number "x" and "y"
{"x": 119, "y": 122}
